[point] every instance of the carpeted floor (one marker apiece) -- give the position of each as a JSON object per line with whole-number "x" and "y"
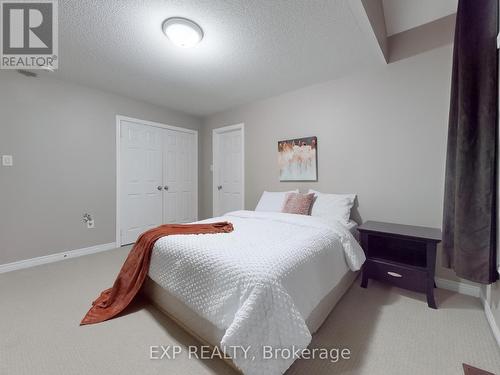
{"x": 388, "y": 330}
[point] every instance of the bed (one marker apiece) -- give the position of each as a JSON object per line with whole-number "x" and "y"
{"x": 272, "y": 281}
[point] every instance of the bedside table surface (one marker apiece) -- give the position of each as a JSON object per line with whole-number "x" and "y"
{"x": 426, "y": 233}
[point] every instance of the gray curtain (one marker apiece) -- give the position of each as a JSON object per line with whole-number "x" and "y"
{"x": 469, "y": 222}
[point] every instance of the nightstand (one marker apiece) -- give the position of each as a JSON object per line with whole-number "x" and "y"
{"x": 402, "y": 255}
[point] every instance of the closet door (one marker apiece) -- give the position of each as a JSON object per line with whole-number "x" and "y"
{"x": 179, "y": 203}
{"x": 188, "y": 188}
{"x": 141, "y": 179}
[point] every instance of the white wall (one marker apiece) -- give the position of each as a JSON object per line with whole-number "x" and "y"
{"x": 62, "y": 137}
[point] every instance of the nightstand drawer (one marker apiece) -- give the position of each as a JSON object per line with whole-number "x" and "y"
{"x": 398, "y": 275}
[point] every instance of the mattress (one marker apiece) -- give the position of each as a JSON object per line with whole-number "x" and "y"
{"x": 271, "y": 282}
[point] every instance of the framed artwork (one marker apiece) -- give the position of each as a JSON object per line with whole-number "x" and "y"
{"x": 298, "y": 159}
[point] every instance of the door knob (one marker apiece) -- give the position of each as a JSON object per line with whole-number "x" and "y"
{"x": 219, "y": 187}
{"x": 159, "y": 188}
{"x": 165, "y": 187}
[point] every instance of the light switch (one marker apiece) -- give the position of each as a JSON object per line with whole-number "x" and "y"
{"x": 7, "y": 160}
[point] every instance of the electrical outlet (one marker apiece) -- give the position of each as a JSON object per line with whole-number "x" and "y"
{"x": 7, "y": 160}
{"x": 89, "y": 220}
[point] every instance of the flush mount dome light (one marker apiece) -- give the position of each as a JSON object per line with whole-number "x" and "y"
{"x": 182, "y": 32}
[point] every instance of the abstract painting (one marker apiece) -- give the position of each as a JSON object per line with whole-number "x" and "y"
{"x": 298, "y": 159}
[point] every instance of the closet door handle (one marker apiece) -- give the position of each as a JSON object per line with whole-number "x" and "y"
{"x": 219, "y": 187}
{"x": 159, "y": 188}
{"x": 166, "y": 187}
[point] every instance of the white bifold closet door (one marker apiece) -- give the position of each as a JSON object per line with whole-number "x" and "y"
{"x": 158, "y": 172}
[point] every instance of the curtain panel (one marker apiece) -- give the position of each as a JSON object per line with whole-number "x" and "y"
{"x": 469, "y": 217}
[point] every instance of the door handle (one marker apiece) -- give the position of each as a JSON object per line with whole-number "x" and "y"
{"x": 159, "y": 188}
{"x": 219, "y": 187}
{"x": 165, "y": 187}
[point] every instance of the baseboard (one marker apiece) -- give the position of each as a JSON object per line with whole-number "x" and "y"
{"x": 491, "y": 319}
{"x": 474, "y": 291}
{"x": 55, "y": 257}
{"x": 456, "y": 286}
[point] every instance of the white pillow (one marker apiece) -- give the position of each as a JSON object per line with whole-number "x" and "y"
{"x": 333, "y": 207}
{"x": 272, "y": 201}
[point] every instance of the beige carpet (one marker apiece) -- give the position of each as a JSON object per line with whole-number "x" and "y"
{"x": 388, "y": 330}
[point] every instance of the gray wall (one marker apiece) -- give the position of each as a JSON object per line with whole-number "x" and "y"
{"x": 381, "y": 134}
{"x": 62, "y": 137}
{"x": 494, "y": 296}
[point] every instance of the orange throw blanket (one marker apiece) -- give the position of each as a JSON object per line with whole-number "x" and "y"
{"x": 129, "y": 281}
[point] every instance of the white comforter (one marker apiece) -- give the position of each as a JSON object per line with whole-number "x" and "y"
{"x": 258, "y": 283}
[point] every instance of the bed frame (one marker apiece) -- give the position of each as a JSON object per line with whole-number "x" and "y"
{"x": 207, "y": 334}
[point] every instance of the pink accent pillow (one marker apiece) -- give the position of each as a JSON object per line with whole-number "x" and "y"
{"x": 296, "y": 203}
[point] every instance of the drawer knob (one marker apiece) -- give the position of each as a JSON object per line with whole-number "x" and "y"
{"x": 394, "y": 274}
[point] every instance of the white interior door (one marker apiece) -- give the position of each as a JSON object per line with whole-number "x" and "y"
{"x": 228, "y": 156}
{"x": 180, "y": 177}
{"x": 141, "y": 179}
{"x": 158, "y": 177}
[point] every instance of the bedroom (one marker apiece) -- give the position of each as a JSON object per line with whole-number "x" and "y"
{"x": 337, "y": 137}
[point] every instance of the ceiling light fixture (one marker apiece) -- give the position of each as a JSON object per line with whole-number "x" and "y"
{"x": 182, "y": 32}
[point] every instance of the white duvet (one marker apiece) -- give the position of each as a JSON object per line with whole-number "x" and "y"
{"x": 258, "y": 283}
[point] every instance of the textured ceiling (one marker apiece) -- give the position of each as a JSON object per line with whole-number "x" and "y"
{"x": 401, "y": 15}
{"x": 252, "y": 49}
